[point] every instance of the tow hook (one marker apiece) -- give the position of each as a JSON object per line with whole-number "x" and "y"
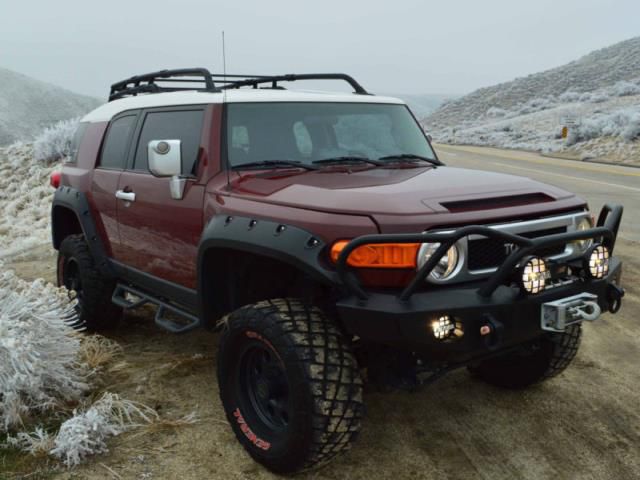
{"x": 614, "y": 297}
{"x": 491, "y": 331}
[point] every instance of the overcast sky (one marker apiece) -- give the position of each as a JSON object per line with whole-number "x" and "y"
{"x": 400, "y": 46}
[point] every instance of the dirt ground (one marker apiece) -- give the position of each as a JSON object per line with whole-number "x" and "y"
{"x": 584, "y": 424}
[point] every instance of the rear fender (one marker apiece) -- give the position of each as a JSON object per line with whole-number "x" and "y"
{"x": 73, "y": 200}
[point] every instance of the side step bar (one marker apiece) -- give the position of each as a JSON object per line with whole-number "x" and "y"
{"x": 120, "y": 298}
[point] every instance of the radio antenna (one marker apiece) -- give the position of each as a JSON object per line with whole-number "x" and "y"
{"x": 224, "y": 106}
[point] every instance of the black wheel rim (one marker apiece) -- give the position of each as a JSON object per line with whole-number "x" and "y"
{"x": 263, "y": 384}
{"x": 71, "y": 277}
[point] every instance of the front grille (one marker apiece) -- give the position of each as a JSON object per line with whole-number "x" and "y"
{"x": 486, "y": 253}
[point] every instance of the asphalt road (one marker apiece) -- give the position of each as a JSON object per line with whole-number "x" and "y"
{"x": 597, "y": 183}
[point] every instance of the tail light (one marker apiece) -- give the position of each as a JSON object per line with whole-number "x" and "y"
{"x": 55, "y": 178}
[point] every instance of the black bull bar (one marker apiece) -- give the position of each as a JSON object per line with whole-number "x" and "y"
{"x": 605, "y": 232}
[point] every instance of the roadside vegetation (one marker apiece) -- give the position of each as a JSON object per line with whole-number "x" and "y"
{"x": 596, "y": 97}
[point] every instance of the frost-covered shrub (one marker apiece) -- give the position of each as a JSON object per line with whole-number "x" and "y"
{"x": 38, "y": 350}
{"x": 87, "y": 431}
{"x": 598, "y": 97}
{"x": 570, "y": 96}
{"x": 25, "y": 201}
{"x": 624, "y": 123}
{"x": 632, "y": 131}
{"x": 623, "y": 89}
{"x": 55, "y": 142}
{"x": 496, "y": 112}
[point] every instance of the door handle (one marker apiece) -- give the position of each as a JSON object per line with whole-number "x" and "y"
{"x": 126, "y": 196}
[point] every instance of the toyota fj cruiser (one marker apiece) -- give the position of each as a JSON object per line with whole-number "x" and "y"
{"x": 321, "y": 233}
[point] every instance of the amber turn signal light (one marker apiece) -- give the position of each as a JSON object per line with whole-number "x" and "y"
{"x": 378, "y": 255}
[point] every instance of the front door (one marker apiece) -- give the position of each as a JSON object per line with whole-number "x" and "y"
{"x": 104, "y": 184}
{"x": 159, "y": 235}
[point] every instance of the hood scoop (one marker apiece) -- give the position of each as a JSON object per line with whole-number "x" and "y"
{"x": 494, "y": 203}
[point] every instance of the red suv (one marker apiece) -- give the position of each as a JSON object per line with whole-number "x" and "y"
{"x": 321, "y": 233}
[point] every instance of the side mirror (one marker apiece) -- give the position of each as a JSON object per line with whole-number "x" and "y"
{"x": 429, "y": 137}
{"x": 165, "y": 158}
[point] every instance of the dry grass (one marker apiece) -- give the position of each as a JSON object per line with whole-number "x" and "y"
{"x": 97, "y": 352}
{"x": 186, "y": 364}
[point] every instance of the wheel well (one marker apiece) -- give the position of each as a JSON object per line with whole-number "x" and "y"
{"x": 232, "y": 278}
{"x": 64, "y": 222}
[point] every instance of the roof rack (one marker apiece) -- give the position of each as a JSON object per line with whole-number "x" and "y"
{"x": 203, "y": 80}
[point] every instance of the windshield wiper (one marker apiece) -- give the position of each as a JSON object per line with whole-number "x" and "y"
{"x": 411, "y": 156}
{"x": 274, "y": 164}
{"x": 347, "y": 159}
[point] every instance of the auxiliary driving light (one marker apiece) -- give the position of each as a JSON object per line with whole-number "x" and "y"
{"x": 534, "y": 275}
{"x": 445, "y": 327}
{"x": 597, "y": 261}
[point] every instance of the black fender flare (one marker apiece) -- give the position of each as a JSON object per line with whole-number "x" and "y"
{"x": 76, "y": 201}
{"x": 280, "y": 241}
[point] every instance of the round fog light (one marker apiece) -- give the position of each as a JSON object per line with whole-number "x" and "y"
{"x": 534, "y": 275}
{"x": 446, "y": 327}
{"x": 598, "y": 261}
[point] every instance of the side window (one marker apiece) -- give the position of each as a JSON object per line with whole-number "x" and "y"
{"x": 185, "y": 125}
{"x": 114, "y": 150}
{"x": 75, "y": 142}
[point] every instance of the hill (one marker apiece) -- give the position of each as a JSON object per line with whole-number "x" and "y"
{"x": 422, "y": 105}
{"x": 28, "y": 105}
{"x": 596, "y": 96}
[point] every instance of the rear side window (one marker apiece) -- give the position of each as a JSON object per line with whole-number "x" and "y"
{"x": 76, "y": 141}
{"x": 183, "y": 125}
{"x": 115, "y": 145}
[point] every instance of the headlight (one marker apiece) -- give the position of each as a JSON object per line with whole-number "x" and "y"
{"x": 534, "y": 275}
{"x": 446, "y": 268}
{"x": 584, "y": 224}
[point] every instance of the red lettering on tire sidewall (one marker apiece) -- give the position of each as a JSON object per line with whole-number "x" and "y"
{"x": 246, "y": 430}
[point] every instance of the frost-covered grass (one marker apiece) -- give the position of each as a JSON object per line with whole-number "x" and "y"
{"x": 55, "y": 142}
{"x": 39, "y": 370}
{"x": 87, "y": 431}
{"x": 47, "y": 371}
{"x": 25, "y": 200}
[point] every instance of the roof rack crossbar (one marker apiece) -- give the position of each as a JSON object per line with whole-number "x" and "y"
{"x": 146, "y": 83}
{"x": 254, "y": 81}
{"x": 132, "y": 85}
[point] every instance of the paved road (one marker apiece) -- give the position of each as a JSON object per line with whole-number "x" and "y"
{"x": 596, "y": 183}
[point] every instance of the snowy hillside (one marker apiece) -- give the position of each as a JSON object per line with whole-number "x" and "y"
{"x": 422, "y": 105}
{"x": 28, "y": 105}
{"x": 597, "y": 97}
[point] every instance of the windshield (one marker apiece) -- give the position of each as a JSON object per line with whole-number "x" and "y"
{"x": 312, "y": 131}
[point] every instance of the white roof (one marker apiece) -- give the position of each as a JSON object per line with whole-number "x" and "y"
{"x": 192, "y": 97}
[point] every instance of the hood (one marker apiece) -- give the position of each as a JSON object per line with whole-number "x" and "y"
{"x": 398, "y": 191}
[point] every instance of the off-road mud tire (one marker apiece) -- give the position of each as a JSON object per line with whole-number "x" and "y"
{"x": 95, "y": 310}
{"x": 324, "y": 384}
{"x": 549, "y": 357}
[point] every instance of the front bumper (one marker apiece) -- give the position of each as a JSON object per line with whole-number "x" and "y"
{"x": 513, "y": 317}
{"x": 510, "y": 316}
